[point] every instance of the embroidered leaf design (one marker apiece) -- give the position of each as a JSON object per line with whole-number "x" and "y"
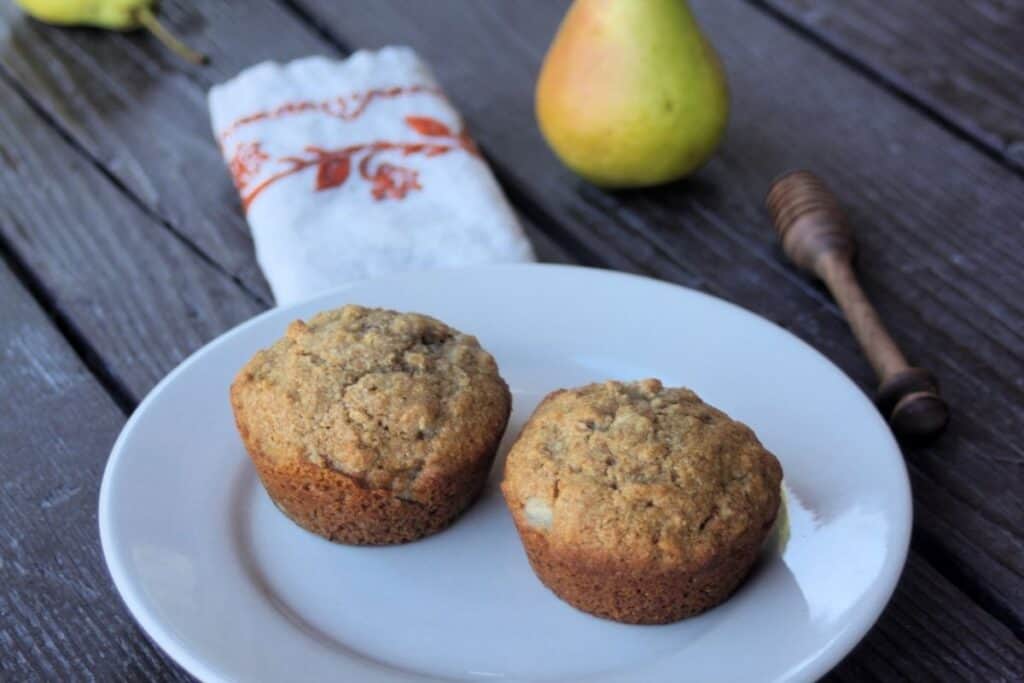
{"x": 428, "y": 126}
{"x": 436, "y": 150}
{"x": 387, "y": 180}
{"x": 332, "y": 172}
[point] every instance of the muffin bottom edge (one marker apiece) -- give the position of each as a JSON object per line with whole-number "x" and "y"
{"x": 337, "y": 507}
{"x": 637, "y": 596}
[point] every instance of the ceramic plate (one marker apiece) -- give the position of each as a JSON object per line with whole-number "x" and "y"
{"x": 233, "y": 590}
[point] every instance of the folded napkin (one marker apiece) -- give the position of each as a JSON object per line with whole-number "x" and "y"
{"x": 357, "y": 168}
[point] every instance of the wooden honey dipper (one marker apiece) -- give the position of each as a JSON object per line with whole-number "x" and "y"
{"x": 816, "y": 237}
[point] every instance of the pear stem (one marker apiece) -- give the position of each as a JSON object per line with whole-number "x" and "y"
{"x": 153, "y": 25}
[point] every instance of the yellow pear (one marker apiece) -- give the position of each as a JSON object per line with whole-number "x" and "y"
{"x": 631, "y": 93}
{"x": 116, "y": 15}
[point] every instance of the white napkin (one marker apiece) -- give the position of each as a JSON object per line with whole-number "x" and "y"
{"x": 353, "y": 169}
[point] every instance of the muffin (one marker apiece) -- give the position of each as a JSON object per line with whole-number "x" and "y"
{"x": 639, "y": 503}
{"x": 369, "y": 426}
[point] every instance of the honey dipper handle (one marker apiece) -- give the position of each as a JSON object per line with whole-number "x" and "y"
{"x": 816, "y": 237}
{"x": 880, "y": 348}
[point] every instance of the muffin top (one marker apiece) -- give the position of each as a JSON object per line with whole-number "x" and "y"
{"x": 641, "y": 473}
{"x": 394, "y": 400}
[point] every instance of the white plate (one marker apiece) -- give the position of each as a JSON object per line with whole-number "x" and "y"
{"x": 234, "y": 591}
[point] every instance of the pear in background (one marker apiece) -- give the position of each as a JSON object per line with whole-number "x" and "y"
{"x": 115, "y": 15}
{"x": 631, "y": 93}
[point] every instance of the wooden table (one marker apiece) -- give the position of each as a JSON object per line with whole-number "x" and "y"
{"x": 124, "y": 249}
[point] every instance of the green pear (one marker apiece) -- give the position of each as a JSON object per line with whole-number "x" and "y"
{"x": 631, "y": 93}
{"x": 116, "y": 15}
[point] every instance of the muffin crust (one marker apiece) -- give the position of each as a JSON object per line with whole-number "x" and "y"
{"x": 371, "y": 426}
{"x": 638, "y": 502}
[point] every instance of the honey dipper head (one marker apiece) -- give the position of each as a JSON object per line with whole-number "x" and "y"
{"x": 808, "y": 219}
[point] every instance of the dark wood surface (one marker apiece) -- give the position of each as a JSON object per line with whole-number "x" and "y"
{"x": 123, "y": 249}
{"x": 816, "y": 237}
{"x": 959, "y": 65}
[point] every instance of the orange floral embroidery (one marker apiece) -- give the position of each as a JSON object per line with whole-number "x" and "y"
{"x": 387, "y": 180}
{"x": 246, "y": 162}
{"x": 428, "y": 126}
{"x": 346, "y": 107}
{"x": 390, "y": 181}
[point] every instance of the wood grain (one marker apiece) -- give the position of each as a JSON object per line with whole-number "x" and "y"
{"x": 74, "y": 76}
{"x": 958, "y": 642}
{"x": 63, "y": 620}
{"x": 60, "y": 618}
{"x": 962, "y": 61}
{"x": 816, "y": 237}
{"x": 140, "y": 113}
{"x": 138, "y": 262}
{"x": 936, "y": 220}
{"x": 138, "y": 298}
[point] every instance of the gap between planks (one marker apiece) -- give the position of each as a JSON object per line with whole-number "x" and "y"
{"x": 520, "y": 199}
{"x": 82, "y": 347}
{"x": 78, "y": 342}
{"x": 79, "y": 149}
{"x": 888, "y": 84}
{"x": 518, "y": 196}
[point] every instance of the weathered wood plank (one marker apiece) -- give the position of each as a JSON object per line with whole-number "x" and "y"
{"x": 137, "y": 294}
{"x": 60, "y": 618}
{"x": 63, "y": 621}
{"x": 961, "y": 60}
{"x": 903, "y": 647}
{"x": 139, "y": 298}
{"x": 141, "y": 114}
{"x": 138, "y": 116}
{"x": 135, "y": 109}
{"x": 936, "y": 220}
{"x": 660, "y": 254}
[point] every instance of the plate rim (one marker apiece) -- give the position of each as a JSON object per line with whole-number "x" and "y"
{"x": 828, "y": 657}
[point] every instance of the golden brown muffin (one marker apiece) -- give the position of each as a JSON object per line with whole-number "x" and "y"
{"x": 370, "y": 426}
{"x": 639, "y": 503}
